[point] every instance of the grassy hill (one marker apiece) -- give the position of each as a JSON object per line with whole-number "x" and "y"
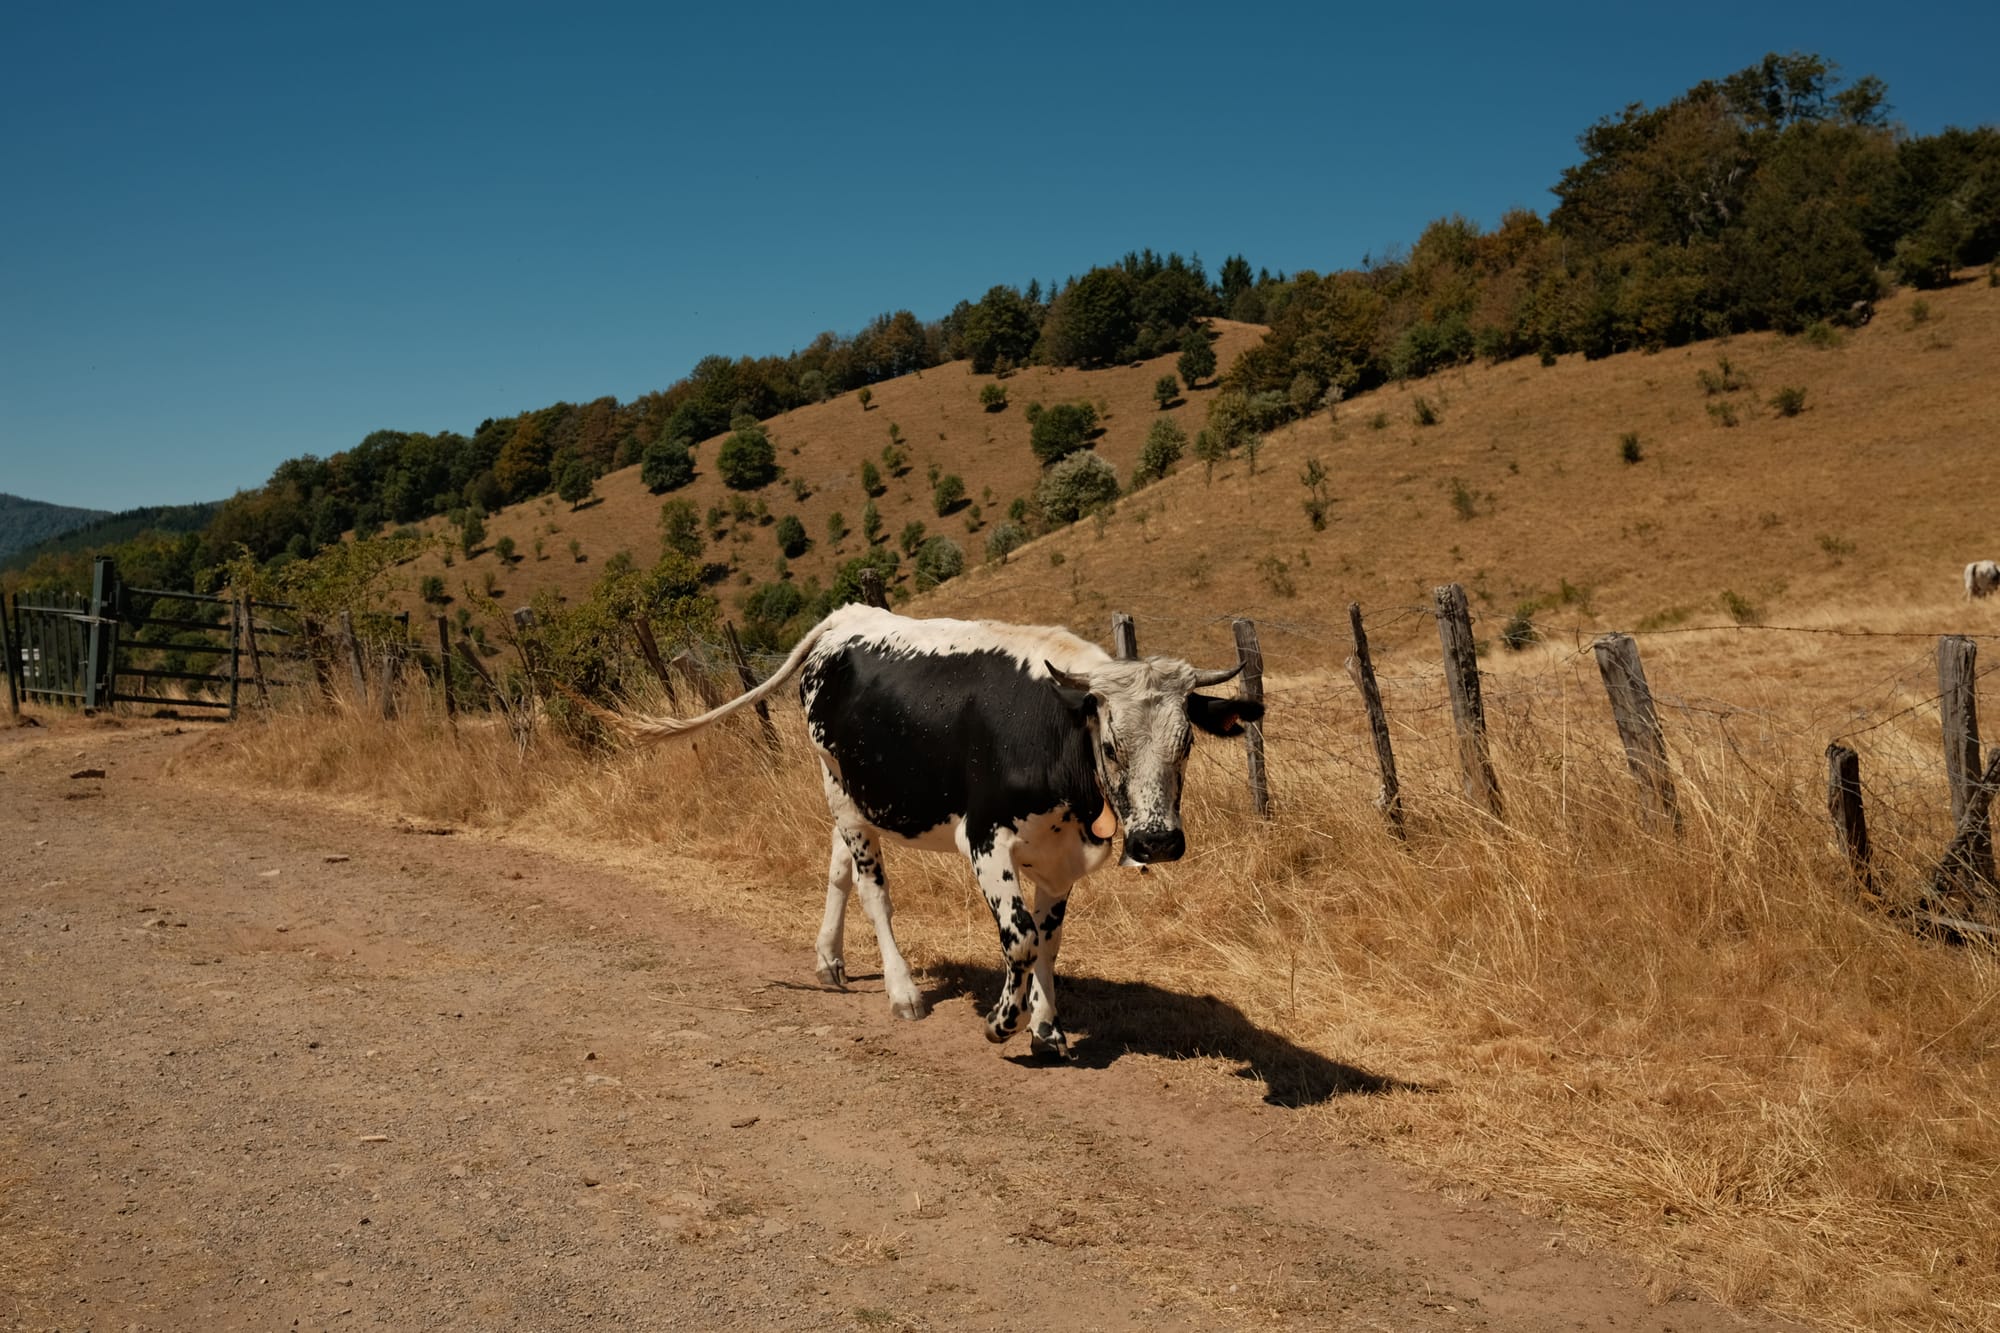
{"x": 941, "y": 422}
{"x": 24, "y": 522}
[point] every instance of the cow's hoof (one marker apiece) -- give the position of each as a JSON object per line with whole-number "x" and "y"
{"x": 833, "y": 972}
{"x": 912, "y": 1009}
{"x": 998, "y": 1030}
{"x": 1050, "y": 1039}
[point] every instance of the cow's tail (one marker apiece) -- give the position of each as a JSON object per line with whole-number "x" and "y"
{"x": 649, "y": 730}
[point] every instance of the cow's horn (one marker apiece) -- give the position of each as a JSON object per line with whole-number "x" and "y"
{"x": 1068, "y": 680}
{"x": 1203, "y": 679}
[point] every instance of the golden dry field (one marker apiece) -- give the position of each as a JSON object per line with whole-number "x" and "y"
{"x": 1701, "y": 1050}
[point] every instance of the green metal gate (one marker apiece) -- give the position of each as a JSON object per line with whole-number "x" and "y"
{"x": 59, "y": 643}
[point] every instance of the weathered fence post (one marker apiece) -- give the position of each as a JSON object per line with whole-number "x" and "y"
{"x": 1638, "y": 721}
{"x": 749, "y": 679}
{"x": 313, "y": 643}
{"x": 444, "y": 671}
{"x": 1843, "y": 802}
{"x": 649, "y": 648}
{"x": 13, "y": 657}
{"x": 698, "y": 679}
{"x": 871, "y": 588}
{"x": 1961, "y": 873}
{"x": 1251, "y": 686}
{"x": 100, "y": 627}
{"x": 354, "y": 658}
{"x": 1958, "y": 706}
{"x": 235, "y": 653}
{"x": 1362, "y": 669}
{"x": 248, "y": 610}
{"x": 1124, "y": 638}
{"x": 392, "y": 671}
{"x": 1468, "y": 713}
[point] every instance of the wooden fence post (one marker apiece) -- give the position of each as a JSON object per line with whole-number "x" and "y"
{"x": 1958, "y": 706}
{"x": 649, "y": 648}
{"x": 444, "y": 671}
{"x": 1638, "y": 722}
{"x": 1251, "y": 686}
{"x": 871, "y": 588}
{"x": 1362, "y": 669}
{"x": 1124, "y": 638}
{"x": 392, "y": 671}
{"x": 13, "y": 657}
{"x": 749, "y": 679}
{"x": 1843, "y": 802}
{"x": 354, "y": 657}
{"x": 1468, "y": 712}
{"x": 248, "y": 607}
{"x": 698, "y": 679}
{"x": 1961, "y": 873}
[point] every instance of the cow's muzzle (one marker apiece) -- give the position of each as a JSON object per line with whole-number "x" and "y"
{"x": 1148, "y": 846}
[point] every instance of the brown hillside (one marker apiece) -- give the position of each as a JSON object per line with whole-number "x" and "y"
{"x": 825, "y": 444}
{"x": 1860, "y": 511}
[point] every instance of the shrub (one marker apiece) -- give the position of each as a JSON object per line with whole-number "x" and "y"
{"x": 939, "y": 559}
{"x": 1313, "y": 478}
{"x": 993, "y": 397}
{"x": 1004, "y": 540}
{"x": 1821, "y": 334}
{"x": 1725, "y": 378}
{"x": 1628, "y": 447}
{"x": 867, "y": 396}
{"x": 1789, "y": 401}
{"x": 667, "y": 465}
{"x": 1165, "y": 390}
{"x": 471, "y": 532}
{"x": 896, "y": 459}
{"x": 871, "y": 479}
{"x": 1211, "y": 449}
{"x": 576, "y": 483}
{"x": 948, "y": 494}
{"x": 1722, "y": 413}
{"x": 1424, "y": 411}
{"x": 1519, "y": 630}
{"x": 871, "y": 522}
{"x": 432, "y": 589}
{"x": 1165, "y": 443}
{"x": 746, "y": 459}
{"x": 836, "y": 527}
{"x": 505, "y": 549}
{"x": 791, "y": 535}
{"x": 1197, "y": 360}
{"x": 1463, "y": 502}
{"x": 1277, "y": 576}
{"x": 576, "y": 549}
{"x": 1739, "y": 608}
{"x": 1061, "y": 430}
{"x": 1380, "y": 421}
{"x": 912, "y": 536}
{"x": 1076, "y": 486}
{"x": 680, "y": 530}
{"x": 800, "y": 491}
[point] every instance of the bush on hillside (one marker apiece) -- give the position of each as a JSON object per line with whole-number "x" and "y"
{"x": 1060, "y": 430}
{"x": 747, "y": 459}
{"x": 938, "y": 560}
{"x": 1165, "y": 443}
{"x": 667, "y": 465}
{"x": 1079, "y": 485}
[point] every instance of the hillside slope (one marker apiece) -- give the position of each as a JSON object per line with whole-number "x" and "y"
{"x": 941, "y": 422}
{"x": 1867, "y": 502}
{"x": 25, "y": 522}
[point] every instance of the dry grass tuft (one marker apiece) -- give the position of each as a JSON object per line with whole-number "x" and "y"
{"x": 1702, "y": 1050}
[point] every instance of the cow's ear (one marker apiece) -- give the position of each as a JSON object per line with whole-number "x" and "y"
{"x": 1078, "y": 700}
{"x": 1222, "y": 717}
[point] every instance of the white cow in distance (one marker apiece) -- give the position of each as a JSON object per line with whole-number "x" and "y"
{"x": 1982, "y": 577}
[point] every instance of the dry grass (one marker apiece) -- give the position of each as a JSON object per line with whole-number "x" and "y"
{"x": 1700, "y": 1050}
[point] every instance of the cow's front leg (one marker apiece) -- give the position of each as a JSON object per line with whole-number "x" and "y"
{"x": 1045, "y": 1029}
{"x": 1020, "y": 937}
{"x": 904, "y": 998}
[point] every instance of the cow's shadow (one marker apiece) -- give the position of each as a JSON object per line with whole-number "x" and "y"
{"x": 1109, "y": 1019}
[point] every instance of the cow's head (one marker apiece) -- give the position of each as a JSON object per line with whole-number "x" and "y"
{"x": 1141, "y": 717}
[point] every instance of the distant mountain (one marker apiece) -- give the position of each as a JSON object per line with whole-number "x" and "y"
{"x": 92, "y": 528}
{"x": 23, "y": 523}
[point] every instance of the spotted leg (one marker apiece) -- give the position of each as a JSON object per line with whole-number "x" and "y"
{"x": 839, "y": 882}
{"x": 1045, "y": 1029}
{"x": 904, "y": 997}
{"x": 1020, "y": 937}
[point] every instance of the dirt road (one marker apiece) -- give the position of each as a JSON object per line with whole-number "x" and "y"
{"x": 267, "y": 1066}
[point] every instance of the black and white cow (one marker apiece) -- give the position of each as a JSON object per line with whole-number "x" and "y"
{"x": 1024, "y": 748}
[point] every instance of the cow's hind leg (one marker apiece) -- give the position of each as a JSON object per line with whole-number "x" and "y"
{"x": 1045, "y": 1029}
{"x": 904, "y": 997}
{"x": 1020, "y": 937}
{"x": 832, "y": 929}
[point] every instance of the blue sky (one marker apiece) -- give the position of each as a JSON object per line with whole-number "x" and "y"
{"x": 230, "y": 235}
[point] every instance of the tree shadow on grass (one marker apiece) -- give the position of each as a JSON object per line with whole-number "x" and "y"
{"x": 1117, "y": 1018}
